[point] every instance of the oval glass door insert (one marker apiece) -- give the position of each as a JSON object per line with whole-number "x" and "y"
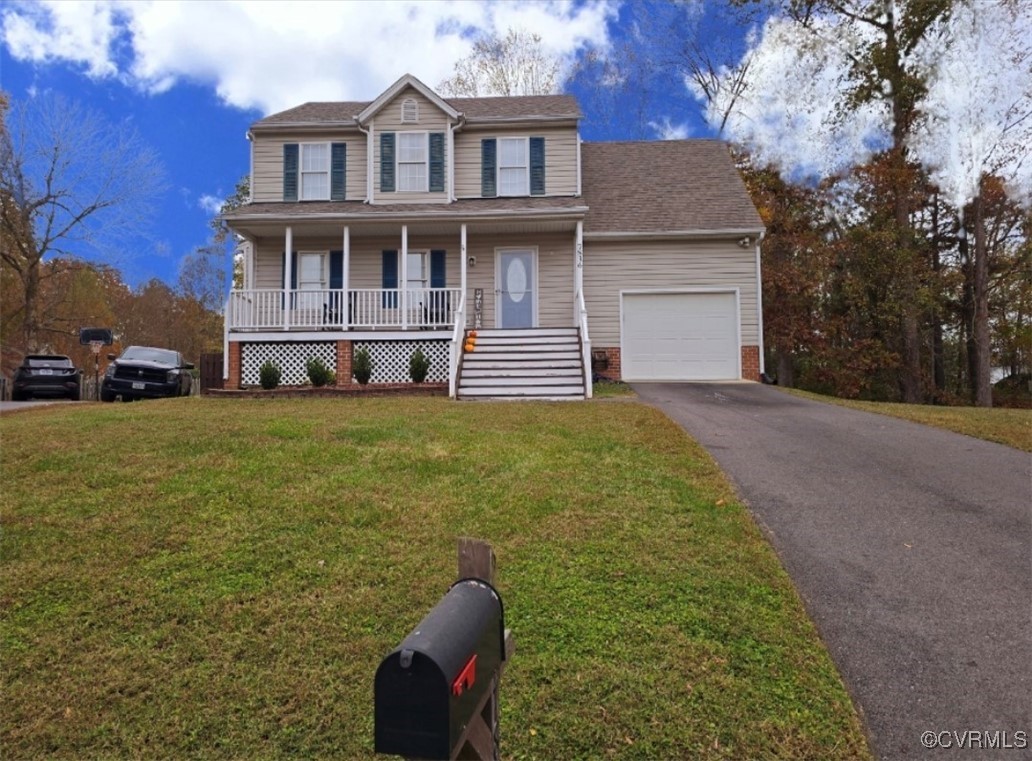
{"x": 516, "y": 280}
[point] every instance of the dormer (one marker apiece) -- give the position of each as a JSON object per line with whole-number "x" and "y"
{"x": 412, "y": 139}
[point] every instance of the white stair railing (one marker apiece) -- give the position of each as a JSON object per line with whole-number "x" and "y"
{"x": 582, "y": 319}
{"x": 458, "y": 334}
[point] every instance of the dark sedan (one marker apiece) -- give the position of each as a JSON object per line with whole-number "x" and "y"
{"x": 46, "y": 375}
{"x": 143, "y": 372}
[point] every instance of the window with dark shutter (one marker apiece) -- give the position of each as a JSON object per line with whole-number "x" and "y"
{"x": 338, "y": 170}
{"x": 387, "y": 162}
{"x": 537, "y": 166}
{"x": 436, "y": 162}
{"x": 488, "y": 164}
{"x": 290, "y": 152}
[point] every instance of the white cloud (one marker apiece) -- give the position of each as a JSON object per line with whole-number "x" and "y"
{"x": 274, "y": 55}
{"x": 788, "y": 111}
{"x": 977, "y": 113}
{"x": 210, "y": 204}
{"x": 667, "y": 130}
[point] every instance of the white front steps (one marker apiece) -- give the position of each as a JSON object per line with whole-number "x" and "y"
{"x": 540, "y": 363}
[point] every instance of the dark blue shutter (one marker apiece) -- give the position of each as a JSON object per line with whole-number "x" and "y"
{"x": 537, "y": 166}
{"x": 336, "y": 300}
{"x": 390, "y": 278}
{"x": 437, "y": 269}
{"x": 436, "y": 162}
{"x": 338, "y": 170}
{"x": 488, "y": 168}
{"x": 293, "y": 275}
{"x": 387, "y": 162}
{"x": 290, "y": 151}
{"x": 336, "y": 269}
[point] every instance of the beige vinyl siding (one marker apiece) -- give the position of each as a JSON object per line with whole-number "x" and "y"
{"x": 267, "y": 183}
{"x": 611, "y": 267}
{"x": 554, "y": 276}
{"x": 388, "y": 119}
{"x": 560, "y": 159}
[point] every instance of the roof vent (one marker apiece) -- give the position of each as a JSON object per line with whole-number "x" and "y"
{"x": 409, "y": 111}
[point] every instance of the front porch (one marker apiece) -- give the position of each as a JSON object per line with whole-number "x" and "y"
{"x": 362, "y": 309}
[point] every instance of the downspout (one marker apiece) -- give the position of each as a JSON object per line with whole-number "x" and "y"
{"x": 452, "y": 129}
{"x": 759, "y": 302}
{"x": 369, "y": 158}
{"x": 250, "y": 180}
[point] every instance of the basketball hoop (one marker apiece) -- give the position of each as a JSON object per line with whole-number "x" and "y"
{"x": 95, "y": 346}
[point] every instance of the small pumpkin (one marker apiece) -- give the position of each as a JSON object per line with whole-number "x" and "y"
{"x": 469, "y": 346}
{"x": 472, "y": 334}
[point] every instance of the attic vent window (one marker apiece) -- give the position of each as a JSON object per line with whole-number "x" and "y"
{"x": 409, "y": 111}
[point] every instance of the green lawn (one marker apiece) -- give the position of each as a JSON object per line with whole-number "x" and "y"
{"x": 204, "y": 578}
{"x": 1012, "y": 427}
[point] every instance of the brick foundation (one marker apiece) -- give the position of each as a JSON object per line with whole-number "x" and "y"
{"x": 751, "y": 363}
{"x": 612, "y": 370}
{"x": 233, "y": 381}
{"x": 344, "y": 349}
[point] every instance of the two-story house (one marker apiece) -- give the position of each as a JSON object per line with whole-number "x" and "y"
{"x": 406, "y": 222}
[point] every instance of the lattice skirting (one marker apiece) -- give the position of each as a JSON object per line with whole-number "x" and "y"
{"x": 292, "y": 358}
{"x": 391, "y": 359}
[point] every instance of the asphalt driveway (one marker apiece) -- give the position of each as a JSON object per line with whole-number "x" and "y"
{"x": 910, "y": 546}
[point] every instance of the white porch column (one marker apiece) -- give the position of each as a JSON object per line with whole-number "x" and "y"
{"x": 346, "y": 278}
{"x": 578, "y": 271}
{"x": 403, "y": 280}
{"x": 462, "y": 259}
{"x": 288, "y": 265}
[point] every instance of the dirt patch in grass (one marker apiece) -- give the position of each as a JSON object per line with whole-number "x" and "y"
{"x": 220, "y": 579}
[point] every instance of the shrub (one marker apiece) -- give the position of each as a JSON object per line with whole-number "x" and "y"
{"x": 362, "y": 366}
{"x": 269, "y": 375}
{"x": 318, "y": 373}
{"x": 418, "y": 366}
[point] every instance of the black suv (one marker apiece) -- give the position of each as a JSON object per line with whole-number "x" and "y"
{"x": 145, "y": 372}
{"x": 46, "y": 375}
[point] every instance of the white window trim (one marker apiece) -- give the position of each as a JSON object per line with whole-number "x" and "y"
{"x": 301, "y": 171}
{"x": 426, "y": 162}
{"x": 498, "y": 168}
{"x": 324, "y": 273}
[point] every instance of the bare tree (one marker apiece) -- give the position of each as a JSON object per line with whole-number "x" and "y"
{"x": 516, "y": 64}
{"x": 71, "y": 184}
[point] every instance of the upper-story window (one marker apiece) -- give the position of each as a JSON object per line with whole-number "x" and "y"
{"x": 513, "y": 166}
{"x": 409, "y": 111}
{"x": 315, "y": 171}
{"x": 412, "y": 161}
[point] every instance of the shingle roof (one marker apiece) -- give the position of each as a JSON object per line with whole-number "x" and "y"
{"x": 475, "y": 109}
{"x": 664, "y": 186}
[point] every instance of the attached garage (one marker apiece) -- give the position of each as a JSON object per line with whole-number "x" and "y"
{"x": 680, "y": 335}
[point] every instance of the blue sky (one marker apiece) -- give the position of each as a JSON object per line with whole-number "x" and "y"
{"x": 191, "y": 77}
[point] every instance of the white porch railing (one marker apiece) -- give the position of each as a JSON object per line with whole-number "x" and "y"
{"x": 363, "y": 308}
{"x": 582, "y": 320}
{"x": 455, "y": 353}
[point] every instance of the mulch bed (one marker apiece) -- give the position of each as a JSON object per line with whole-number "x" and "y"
{"x": 351, "y": 390}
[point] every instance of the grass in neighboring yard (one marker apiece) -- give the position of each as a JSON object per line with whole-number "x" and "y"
{"x": 219, "y": 579}
{"x": 605, "y": 389}
{"x": 1012, "y": 427}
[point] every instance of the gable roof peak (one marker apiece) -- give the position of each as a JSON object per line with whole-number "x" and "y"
{"x": 407, "y": 80}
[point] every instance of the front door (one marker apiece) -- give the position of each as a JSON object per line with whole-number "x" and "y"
{"x": 516, "y": 281}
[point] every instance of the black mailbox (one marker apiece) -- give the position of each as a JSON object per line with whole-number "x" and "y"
{"x": 428, "y": 690}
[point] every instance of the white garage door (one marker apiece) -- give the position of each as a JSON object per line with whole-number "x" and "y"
{"x": 679, "y": 336}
